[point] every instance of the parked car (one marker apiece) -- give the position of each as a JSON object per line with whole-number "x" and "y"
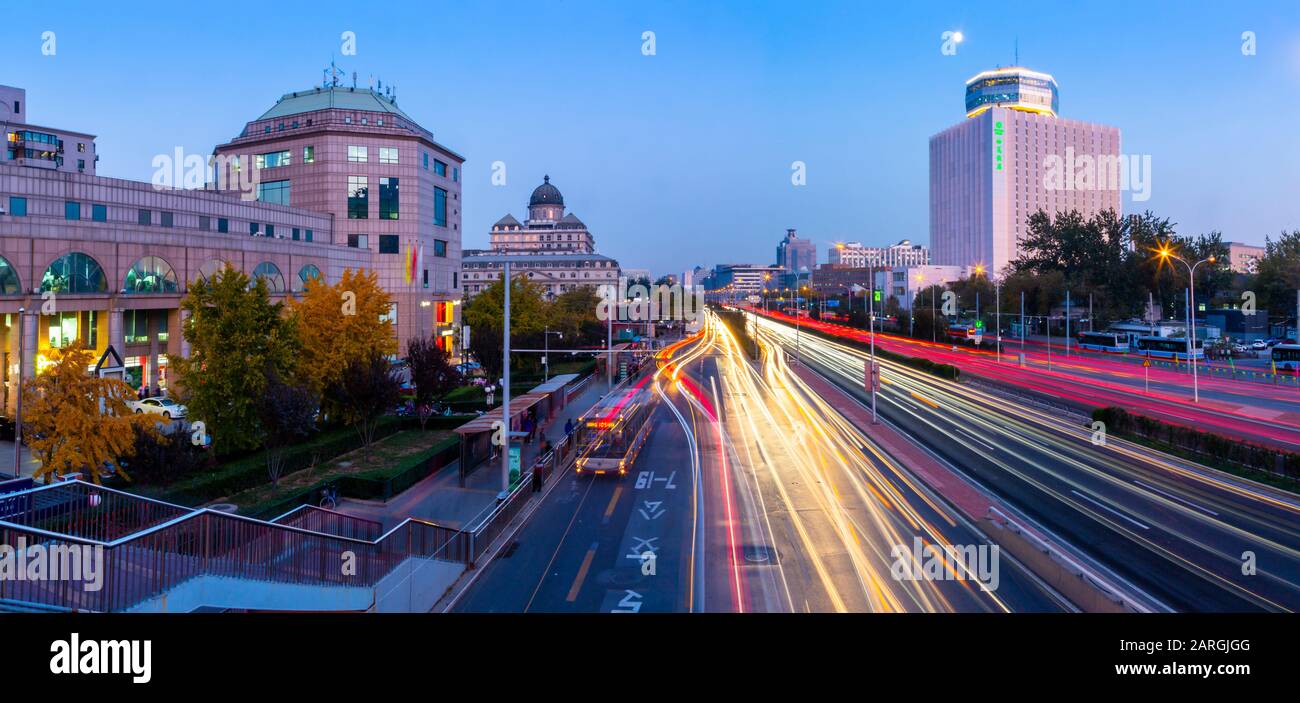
{"x": 168, "y": 408}
{"x": 1259, "y": 344}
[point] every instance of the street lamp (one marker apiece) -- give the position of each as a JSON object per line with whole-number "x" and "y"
{"x": 546, "y": 352}
{"x": 1166, "y": 254}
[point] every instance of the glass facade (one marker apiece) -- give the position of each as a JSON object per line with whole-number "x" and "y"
{"x": 358, "y": 197}
{"x": 388, "y": 199}
{"x": 439, "y": 207}
{"x": 274, "y": 192}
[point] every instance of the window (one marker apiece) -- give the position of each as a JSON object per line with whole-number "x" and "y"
{"x": 455, "y": 279}
{"x": 144, "y": 217}
{"x": 166, "y": 219}
{"x": 274, "y": 159}
{"x": 270, "y": 230}
{"x": 387, "y": 154}
{"x": 74, "y": 273}
{"x": 205, "y": 222}
{"x": 9, "y": 284}
{"x": 426, "y": 160}
{"x": 68, "y": 327}
{"x": 388, "y": 244}
{"x": 309, "y": 154}
{"x": 151, "y": 275}
{"x": 81, "y": 164}
{"x": 17, "y": 206}
{"x": 440, "y": 247}
{"x": 308, "y": 273}
{"x": 358, "y": 241}
{"x": 358, "y": 154}
{"x": 309, "y": 234}
{"x": 388, "y": 205}
{"x": 270, "y": 273}
{"x": 296, "y": 234}
{"x": 455, "y": 174}
{"x": 99, "y": 213}
{"x": 276, "y": 192}
{"x": 426, "y": 278}
{"x": 439, "y": 207}
{"x": 391, "y": 316}
{"x": 223, "y": 225}
{"x": 440, "y": 168}
{"x": 358, "y": 197}
{"x": 72, "y": 211}
{"x": 253, "y": 229}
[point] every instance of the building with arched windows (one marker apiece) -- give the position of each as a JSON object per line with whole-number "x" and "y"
{"x": 108, "y": 261}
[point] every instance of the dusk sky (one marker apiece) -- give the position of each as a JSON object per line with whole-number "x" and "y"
{"x": 684, "y": 157}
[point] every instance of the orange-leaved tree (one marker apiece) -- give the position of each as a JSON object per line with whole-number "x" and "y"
{"x": 340, "y": 324}
{"x": 75, "y": 421}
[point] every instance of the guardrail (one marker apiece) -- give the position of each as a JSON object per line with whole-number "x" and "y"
{"x": 129, "y": 569}
{"x": 310, "y": 517}
{"x": 491, "y": 527}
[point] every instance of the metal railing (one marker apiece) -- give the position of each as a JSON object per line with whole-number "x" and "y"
{"x": 495, "y": 523}
{"x": 132, "y": 567}
{"x": 330, "y": 522}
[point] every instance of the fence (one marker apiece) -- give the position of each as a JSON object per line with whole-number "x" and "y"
{"x": 491, "y": 527}
{"x": 131, "y": 567}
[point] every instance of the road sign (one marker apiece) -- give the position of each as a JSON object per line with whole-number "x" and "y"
{"x": 871, "y": 380}
{"x": 515, "y": 451}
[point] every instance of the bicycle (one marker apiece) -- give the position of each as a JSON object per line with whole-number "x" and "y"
{"x": 329, "y": 497}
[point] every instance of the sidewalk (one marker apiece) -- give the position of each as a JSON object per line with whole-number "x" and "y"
{"x": 29, "y": 465}
{"x": 440, "y": 497}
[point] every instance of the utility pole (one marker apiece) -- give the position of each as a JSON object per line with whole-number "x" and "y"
{"x": 505, "y": 389}
{"x": 1067, "y": 322}
{"x": 1022, "y": 323}
{"x": 18, "y": 406}
{"x": 997, "y": 293}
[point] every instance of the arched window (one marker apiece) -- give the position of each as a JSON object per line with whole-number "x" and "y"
{"x": 210, "y": 269}
{"x": 306, "y": 273}
{"x": 9, "y": 283}
{"x": 74, "y": 273}
{"x": 270, "y": 273}
{"x": 151, "y": 274}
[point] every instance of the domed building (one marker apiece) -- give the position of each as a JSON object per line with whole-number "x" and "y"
{"x": 551, "y": 247}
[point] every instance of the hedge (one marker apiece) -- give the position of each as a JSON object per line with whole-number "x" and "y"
{"x": 378, "y": 484}
{"x": 1231, "y": 450}
{"x": 250, "y": 471}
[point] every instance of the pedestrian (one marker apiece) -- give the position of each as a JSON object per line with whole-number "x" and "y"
{"x": 528, "y": 428}
{"x": 568, "y": 427}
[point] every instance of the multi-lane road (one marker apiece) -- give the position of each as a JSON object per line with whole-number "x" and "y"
{"x": 756, "y": 493}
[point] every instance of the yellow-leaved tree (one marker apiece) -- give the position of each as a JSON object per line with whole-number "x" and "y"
{"x": 340, "y": 324}
{"x": 75, "y": 421}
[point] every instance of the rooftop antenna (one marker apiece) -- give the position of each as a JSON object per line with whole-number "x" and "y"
{"x": 372, "y": 81}
{"x": 354, "y": 80}
{"x": 1017, "y": 51}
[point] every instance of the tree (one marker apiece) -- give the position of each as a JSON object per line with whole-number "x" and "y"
{"x": 432, "y": 374}
{"x": 485, "y": 312}
{"x": 364, "y": 392}
{"x": 288, "y": 414}
{"x": 1277, "y": 274}
{"x": 76, "y": 421}
{"x": 237, "y": 337}
{"x": 573, "y": 312}
{"x": 339, "y": 324}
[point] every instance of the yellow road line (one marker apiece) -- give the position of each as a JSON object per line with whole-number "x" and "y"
{"x": 582, "y": 574}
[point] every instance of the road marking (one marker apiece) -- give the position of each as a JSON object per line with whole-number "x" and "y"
{"x": 613, "y": 502}
{"x": 582, "y": 573}
{"x": 924, "y": 399}
{"x": 1174, "y": 497}
{"x": 1109, "y": 509}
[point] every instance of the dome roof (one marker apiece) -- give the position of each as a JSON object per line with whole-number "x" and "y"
{"x": 546, "y": 194}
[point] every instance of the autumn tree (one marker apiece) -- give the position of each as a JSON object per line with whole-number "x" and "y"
{"x": 432, "y": 374}
{"x": 76, "y": 421}
{"x": 339, "y": 324}
{"x": 237, "y": 338}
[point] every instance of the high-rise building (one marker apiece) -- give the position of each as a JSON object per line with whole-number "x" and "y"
{"x": 855, "y": 255}
{"x": 1011, "y": 157}
{"x": 794, "y": 254}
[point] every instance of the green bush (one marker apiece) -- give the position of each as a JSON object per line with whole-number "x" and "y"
{"x": 1200, "y": 443}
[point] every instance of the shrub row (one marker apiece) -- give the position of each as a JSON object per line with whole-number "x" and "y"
{"x": 1205, "y": 444}
{"x": 379, "y": 484}
{"x": 250, "y": 471}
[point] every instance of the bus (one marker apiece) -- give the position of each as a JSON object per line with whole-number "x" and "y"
{"x": 611, "y": 433}
{"x": 1169, "y": 347}
{"x": 1286, "y": 357}
{"x": 1104, "y": 342}
{"x": 963, "y": 333}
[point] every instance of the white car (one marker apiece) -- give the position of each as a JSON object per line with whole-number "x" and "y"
{"x": 168, "y": 408}
{"x": 1259, "y": 344}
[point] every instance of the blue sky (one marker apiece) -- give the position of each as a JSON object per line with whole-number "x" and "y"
{"x": 684, "y": 157}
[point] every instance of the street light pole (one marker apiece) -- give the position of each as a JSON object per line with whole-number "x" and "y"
{"x": 18, "y": 404}
{"x": 1165, "y": 253}
{"x": 505, "y": 387}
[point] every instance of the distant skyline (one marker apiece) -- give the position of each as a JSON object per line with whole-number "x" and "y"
{"x": 684, "y": 157}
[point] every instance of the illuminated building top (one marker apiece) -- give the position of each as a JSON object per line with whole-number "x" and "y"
{"x": 1015, "y": 87}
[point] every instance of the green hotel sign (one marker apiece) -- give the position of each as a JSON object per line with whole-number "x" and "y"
{"x": 997, "y": 145}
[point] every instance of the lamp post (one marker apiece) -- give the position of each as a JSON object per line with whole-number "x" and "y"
{"x": 18, "y": 403}
{"x": 505, "y": 385}
{"x": 546, "y": 352}
{"x": 1167, "y": 254}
